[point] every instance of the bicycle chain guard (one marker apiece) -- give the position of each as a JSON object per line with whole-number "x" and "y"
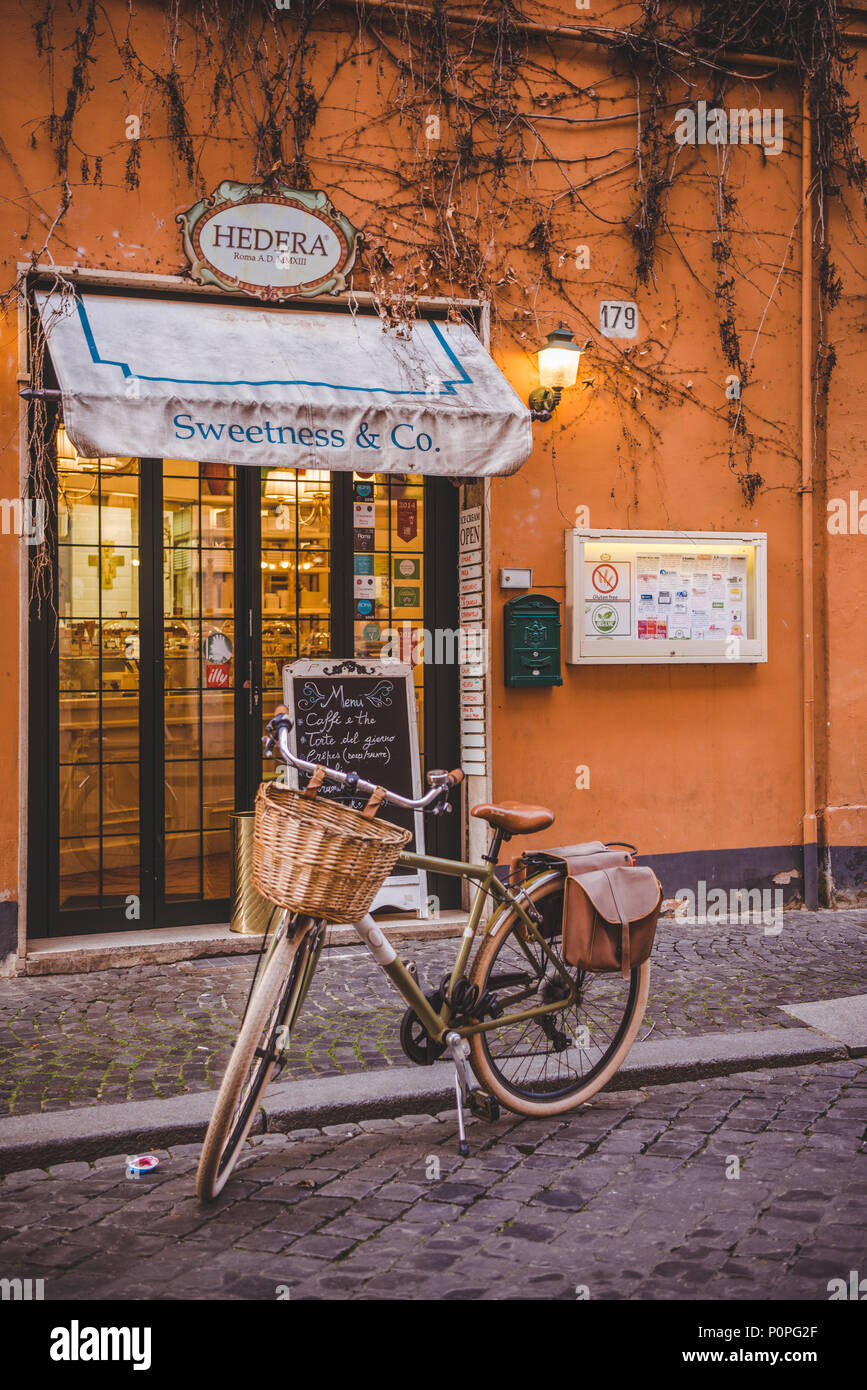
{"x": 417, "y": 1044}
{"x": 415, "y": 1040}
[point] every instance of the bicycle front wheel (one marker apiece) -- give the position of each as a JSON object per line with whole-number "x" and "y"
{"x": 554, "y": 1062}
{"x": 271, "y": 1010}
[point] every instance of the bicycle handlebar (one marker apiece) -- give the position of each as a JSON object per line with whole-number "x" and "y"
{"x": 277, "y": 737}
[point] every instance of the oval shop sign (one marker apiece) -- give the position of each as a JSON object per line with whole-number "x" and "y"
{"x": 270, "y": 241}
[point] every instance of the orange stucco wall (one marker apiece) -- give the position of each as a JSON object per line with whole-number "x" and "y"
{"x": 680, "y": 759}
{"x": 685, "y": 759}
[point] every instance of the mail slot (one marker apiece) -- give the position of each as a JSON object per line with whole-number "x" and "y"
{"x": 532, "y": 640}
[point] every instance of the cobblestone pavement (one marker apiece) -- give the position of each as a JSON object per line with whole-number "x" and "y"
{"x": 634, "y": 1196}
{"x": 163, "y": 1030}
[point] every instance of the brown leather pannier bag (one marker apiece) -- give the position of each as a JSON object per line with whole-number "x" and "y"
{"x": 609, "y": 918}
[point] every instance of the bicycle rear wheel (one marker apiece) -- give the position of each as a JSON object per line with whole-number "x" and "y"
{"x": 553, "y": 1063}
{"x": 273, "y": 1007}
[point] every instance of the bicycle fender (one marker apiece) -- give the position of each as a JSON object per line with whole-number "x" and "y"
{"x": 528, "y": 887}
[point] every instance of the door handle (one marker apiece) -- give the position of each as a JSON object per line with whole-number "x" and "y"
{"x": 252, "y": 687}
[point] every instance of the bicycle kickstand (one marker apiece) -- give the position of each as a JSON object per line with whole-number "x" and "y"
{"x": 459, "y": 1050}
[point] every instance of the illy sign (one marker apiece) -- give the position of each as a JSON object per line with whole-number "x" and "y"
{"x": 269, "y": 240}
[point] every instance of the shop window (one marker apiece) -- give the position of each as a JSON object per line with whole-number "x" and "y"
{"x": 98, "y": 562}
{"x": 388, "y": 573}
{"x": 295, "y": 513}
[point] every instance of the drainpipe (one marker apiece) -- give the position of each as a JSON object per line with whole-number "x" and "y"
{"x": 809, "y": 827}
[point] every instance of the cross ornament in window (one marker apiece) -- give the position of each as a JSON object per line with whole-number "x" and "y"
{"x": 110, "y": 563}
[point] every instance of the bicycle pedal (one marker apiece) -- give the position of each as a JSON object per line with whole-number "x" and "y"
{"x": 483, "y": 1106}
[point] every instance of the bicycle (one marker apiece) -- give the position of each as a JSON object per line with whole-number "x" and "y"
{"x": 523, "y": 1029}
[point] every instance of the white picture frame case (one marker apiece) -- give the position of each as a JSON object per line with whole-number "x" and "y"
{"x": 582, "y": 650}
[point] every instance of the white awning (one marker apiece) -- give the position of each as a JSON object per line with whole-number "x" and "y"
{"x": 168, "y": 378}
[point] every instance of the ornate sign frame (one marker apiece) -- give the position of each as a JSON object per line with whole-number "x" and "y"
{"x": 311, "y": 204}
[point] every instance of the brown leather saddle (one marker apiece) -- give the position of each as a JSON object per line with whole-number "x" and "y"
{"x": 514, "y": 817}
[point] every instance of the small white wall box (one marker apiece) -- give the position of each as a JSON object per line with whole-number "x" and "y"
{"x": 516, "y": 579}
{"x": 645, "y": 597}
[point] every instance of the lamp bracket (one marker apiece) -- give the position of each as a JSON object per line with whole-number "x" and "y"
{"x": 543, "y": 402}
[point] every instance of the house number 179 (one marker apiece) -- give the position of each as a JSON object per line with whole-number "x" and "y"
{"x": 618, "y": 318}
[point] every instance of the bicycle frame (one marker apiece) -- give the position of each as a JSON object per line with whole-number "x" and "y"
{"x": 438, "y": 1024}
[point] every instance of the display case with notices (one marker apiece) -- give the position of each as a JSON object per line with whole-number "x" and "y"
{"x": 648, "y": 597}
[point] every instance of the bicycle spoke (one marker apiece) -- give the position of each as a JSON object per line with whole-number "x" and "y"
{"x": 558, "y": 1053}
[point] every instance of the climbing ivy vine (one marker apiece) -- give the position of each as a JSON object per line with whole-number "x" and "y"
{"x": 464, "y": 149}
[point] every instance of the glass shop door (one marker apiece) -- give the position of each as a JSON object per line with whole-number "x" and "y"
{"x": 151, "y": 709}
{"x": 180, "y": 592}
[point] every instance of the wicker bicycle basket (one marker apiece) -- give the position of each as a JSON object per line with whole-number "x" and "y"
{"x": 314, "y": 856}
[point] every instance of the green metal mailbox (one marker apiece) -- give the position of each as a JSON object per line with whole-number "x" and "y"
{"x": 532, "y": 640}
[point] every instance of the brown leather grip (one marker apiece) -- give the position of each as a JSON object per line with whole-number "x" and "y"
{"x": 373, "y": 804}
{"x": 281, "y": 709}
{"x": 316, "y": 780}
{"x": 456, "y": 777}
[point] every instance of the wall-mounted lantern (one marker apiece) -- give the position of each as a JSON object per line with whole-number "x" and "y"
{"x": 558, "y": 370}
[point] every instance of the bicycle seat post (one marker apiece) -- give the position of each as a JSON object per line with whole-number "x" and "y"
{"x": 493, "y": 853}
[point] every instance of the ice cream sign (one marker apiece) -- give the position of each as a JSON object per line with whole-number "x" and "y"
{"x": 268, "y": 240}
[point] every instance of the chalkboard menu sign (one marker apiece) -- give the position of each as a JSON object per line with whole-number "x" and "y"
{"x": 360, "y": 717}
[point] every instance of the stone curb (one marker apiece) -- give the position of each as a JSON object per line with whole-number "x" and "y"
{"x": 95, "y": 1131}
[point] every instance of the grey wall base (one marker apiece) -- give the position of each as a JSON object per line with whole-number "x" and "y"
{"x": 842, "y": 872}
{"x": 8, "y": 937}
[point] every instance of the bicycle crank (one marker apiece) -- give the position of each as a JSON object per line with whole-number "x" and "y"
{"x": 415, "y": 1040}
